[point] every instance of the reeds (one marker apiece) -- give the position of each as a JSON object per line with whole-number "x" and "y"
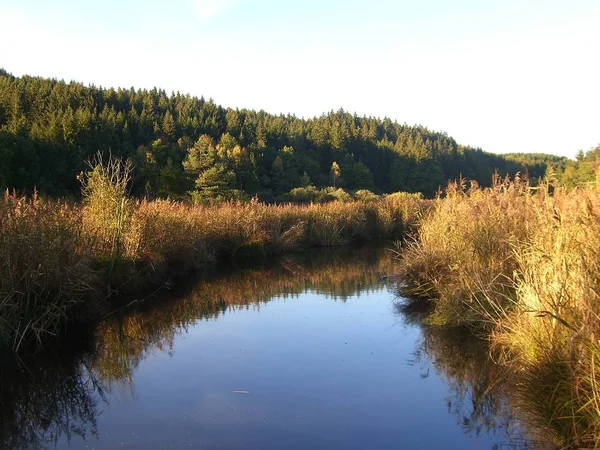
{"x": 173, "y": 233}
{"x": 522, "y": 265}
{"x": 555, "y": 320}
{"x": 45, "y": 270}
{"x": 463, "y": 255}
{"x": 108, "y": 209}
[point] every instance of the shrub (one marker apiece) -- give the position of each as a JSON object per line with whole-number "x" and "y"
{"x": 108, "y": 209}
{"x": 365, "y": 195}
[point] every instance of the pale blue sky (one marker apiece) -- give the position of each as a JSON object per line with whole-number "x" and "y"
{"x": 503, "y": 75}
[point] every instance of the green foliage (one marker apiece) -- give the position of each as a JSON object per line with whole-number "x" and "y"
{"x": 583, "y": 171}
{"x": 215, "y": 183}
{"x": 201, "y": 156}
{"x": 340, "y": 195}
{"x": 311, "y": 194}
{"x": 365, "y": 195}
{"x": 49, "y": 128}
{"x": 305, "y": 194}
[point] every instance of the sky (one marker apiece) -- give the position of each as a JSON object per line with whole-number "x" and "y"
{"x": 506, "y": 76}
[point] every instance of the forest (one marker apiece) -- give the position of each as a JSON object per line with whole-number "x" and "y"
{"x": 185, "y": 147}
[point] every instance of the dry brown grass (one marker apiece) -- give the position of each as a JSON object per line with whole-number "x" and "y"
{"x": 522, "y": 265}
{"x": 45, "y": 268}
{"x": 464, "y": 250}
{"x": 165, "y": 232}
{"x": 555, "y": 320}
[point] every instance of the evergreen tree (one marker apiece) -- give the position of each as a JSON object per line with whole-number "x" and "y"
{"x": 49, "y": 128}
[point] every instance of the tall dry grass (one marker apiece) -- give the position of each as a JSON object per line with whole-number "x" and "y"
{"x": 108, "y": 209}
{"x": 171, "y": 234}
{"x": 463, "y": 255}
{"x": 45, "y": 271}
{"x": 523, "y": 266}
{"x": 553, "y": 327}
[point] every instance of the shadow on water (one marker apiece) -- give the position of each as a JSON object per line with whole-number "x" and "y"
{"x": 58, "y": 393}
{"x": 480, "y": 391}
{"x": 50, "y": 395}
{"x": 127, "y": 338}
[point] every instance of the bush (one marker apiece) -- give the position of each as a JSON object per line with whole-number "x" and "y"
{"x": 365, "y": 195}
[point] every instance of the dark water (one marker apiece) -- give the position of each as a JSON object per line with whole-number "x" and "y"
{"x": 311, "y": 352}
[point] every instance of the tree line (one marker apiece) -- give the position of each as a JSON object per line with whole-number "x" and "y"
{"x": 189, "y": 147}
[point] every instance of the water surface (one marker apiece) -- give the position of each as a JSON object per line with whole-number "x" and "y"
{"x": 310, "y": 352}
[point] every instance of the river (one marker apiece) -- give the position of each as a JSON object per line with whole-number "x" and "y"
{"x": 310, "y": 351}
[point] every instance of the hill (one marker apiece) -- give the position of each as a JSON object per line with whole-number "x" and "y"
{"x": 182, "y": 144}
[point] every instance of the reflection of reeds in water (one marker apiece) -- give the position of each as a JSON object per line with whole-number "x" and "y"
{"x": 126, "y": 339}
{"x": 56, "y": 393}
{"x": 481, "y": 392}
{"x": 49, "y": 396}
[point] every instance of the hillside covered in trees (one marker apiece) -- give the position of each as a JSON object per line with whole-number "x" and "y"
{"x": 184, "y": 146}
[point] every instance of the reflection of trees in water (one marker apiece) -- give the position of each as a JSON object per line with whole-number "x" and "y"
{"x": 58, "y": 394}
{"x": 48, "y": 396}
{"x": 55, "y": 393}
{"x": 126, "y": 339}
{"x": 479, "y": 390}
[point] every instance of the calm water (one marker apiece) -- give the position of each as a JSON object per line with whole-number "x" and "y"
{"x": 308, "y": 353}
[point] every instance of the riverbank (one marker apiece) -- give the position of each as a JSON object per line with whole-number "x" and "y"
{"x": 521, "y": 266}
{"x": 62, "y": 262}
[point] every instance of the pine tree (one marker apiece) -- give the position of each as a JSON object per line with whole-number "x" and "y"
{"x": 168, "y": 125}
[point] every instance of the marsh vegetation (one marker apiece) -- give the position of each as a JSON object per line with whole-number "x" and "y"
{"x": 519, "y": 265}
{"x": 185, "y": 186}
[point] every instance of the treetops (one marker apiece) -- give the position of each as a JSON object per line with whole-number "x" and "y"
{"x": 188, "y": 147}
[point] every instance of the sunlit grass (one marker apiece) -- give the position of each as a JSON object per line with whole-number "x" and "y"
{"x": 522, "y": 265}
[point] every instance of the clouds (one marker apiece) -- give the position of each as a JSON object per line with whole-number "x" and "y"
{"x": 206, "y": 9}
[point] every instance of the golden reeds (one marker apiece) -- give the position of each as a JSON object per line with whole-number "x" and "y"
{"x": 523, "y": 266}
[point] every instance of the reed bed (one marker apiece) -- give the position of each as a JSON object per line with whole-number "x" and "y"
{"x": 463, "y": 255}
{"x": 522, "y": 266}
{"x": 45, "y": 267}
{"x": 61, "y": 261}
